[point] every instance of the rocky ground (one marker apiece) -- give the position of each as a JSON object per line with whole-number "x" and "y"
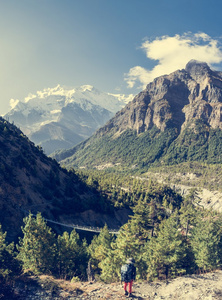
{"x": 209, "y": 199}
{"x": 194, "y": 287}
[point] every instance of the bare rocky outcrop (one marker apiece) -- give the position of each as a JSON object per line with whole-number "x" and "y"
{"x": 180, "y": 97}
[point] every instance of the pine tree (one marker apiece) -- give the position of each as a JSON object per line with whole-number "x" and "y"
{"x": 127, "y": 244}
{"x": 99, "y": 248}
{"x": 9, "y": 265}
{"x": 141, "y": 221}
{"x": 37, "y": 248}
{"x": 206, "y": 242}
{"x": 133, "y": 236}
{"x": 72, "y": 256}
{"x": 189, "y": 211}
{"x": 166, "y": 253}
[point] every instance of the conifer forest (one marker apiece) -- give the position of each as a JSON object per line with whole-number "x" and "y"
{"x": 167, "y": 235}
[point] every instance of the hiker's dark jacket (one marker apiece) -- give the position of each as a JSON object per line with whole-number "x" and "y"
{"x": 130, "y": 274}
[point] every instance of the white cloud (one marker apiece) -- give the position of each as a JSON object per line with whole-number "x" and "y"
{"x": 13, "y": 103}
{"x": 29, "y": 97}
{"x": 173, "y": 53}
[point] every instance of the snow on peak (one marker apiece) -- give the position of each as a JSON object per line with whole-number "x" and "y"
{"x": 84, "y": 88}
{"x": 54, "y": 99}
{"x": 29, "y": 97}
{"x": 13, "y": 103}
{"x": 56, "y": 91}
{"x": 66, "y": 106}
{"x": 122, "y": 97}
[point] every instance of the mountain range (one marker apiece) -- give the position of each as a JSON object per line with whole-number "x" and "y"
{"x": 176, "y": 118}
{"x": 61, "y": 117}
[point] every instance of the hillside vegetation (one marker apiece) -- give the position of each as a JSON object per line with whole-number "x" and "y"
{"x": 168, "y": 236}
{"x": 130, "y": 152}
{"x": 169, "y": 135}
{"x": 191, "y": 174}
{"x": 175, "y": 119}
{"x": 30, "y": 181}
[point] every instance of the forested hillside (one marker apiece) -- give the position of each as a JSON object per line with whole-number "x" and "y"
{"x": 168, "y": 236}
{"x": 30, "y": 181}
{"x": 175, "y": 119}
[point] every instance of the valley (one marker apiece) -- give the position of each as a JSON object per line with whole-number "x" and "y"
{"x": 152, "y": 172}
{"x": 176, "y": 119}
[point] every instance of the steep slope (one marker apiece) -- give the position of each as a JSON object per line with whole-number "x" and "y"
{"x": 176, "y": 118}
{"x": 30, "y": 181}
{"x": 61, "y": 117}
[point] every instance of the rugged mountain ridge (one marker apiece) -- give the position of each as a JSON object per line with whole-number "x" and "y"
{"x": 176, "y": 118}
{"x": 32, "y": 182}
{"x": 192, "y": 93}
{"x": 61, "y": 117}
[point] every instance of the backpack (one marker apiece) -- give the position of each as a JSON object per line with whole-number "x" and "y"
{"x": 126, "y": 271}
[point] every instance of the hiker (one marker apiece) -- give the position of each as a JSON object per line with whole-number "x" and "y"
{"x": 128, "y": 274}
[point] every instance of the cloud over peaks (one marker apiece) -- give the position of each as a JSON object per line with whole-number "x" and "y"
{"x": 173, "y": 53}
{"x": 13, "y": 103}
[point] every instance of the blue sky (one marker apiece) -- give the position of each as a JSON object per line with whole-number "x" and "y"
{"x": 118, "y": 46}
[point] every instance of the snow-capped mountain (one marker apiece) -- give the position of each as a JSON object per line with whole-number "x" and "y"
{"x": 60, "y": 117}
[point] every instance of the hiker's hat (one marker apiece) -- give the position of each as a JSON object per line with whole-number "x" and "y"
{"x": 130, "y": 260}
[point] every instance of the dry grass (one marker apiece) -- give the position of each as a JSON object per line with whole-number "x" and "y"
{"x": 195, "y": 287}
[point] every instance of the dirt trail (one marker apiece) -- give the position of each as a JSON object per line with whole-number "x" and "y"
{"x": 194, "y": 287}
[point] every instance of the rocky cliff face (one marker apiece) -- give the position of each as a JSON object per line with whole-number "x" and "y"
{"x": 177, "y": 118}
{"x": 179, "y": 98}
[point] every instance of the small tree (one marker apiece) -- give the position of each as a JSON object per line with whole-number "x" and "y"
{"x": 189, "y": 211}
{"x": 141, "y": 220}
{"x": 72, "y": 256}
{"x": 9, "y": 265}
{"x": 37, "y": 248}
{"x": 165, "y": 254}
{"x": 99, "y": 248}
{"x": 206, "y": 242}
{"x": 127, "y": 244}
